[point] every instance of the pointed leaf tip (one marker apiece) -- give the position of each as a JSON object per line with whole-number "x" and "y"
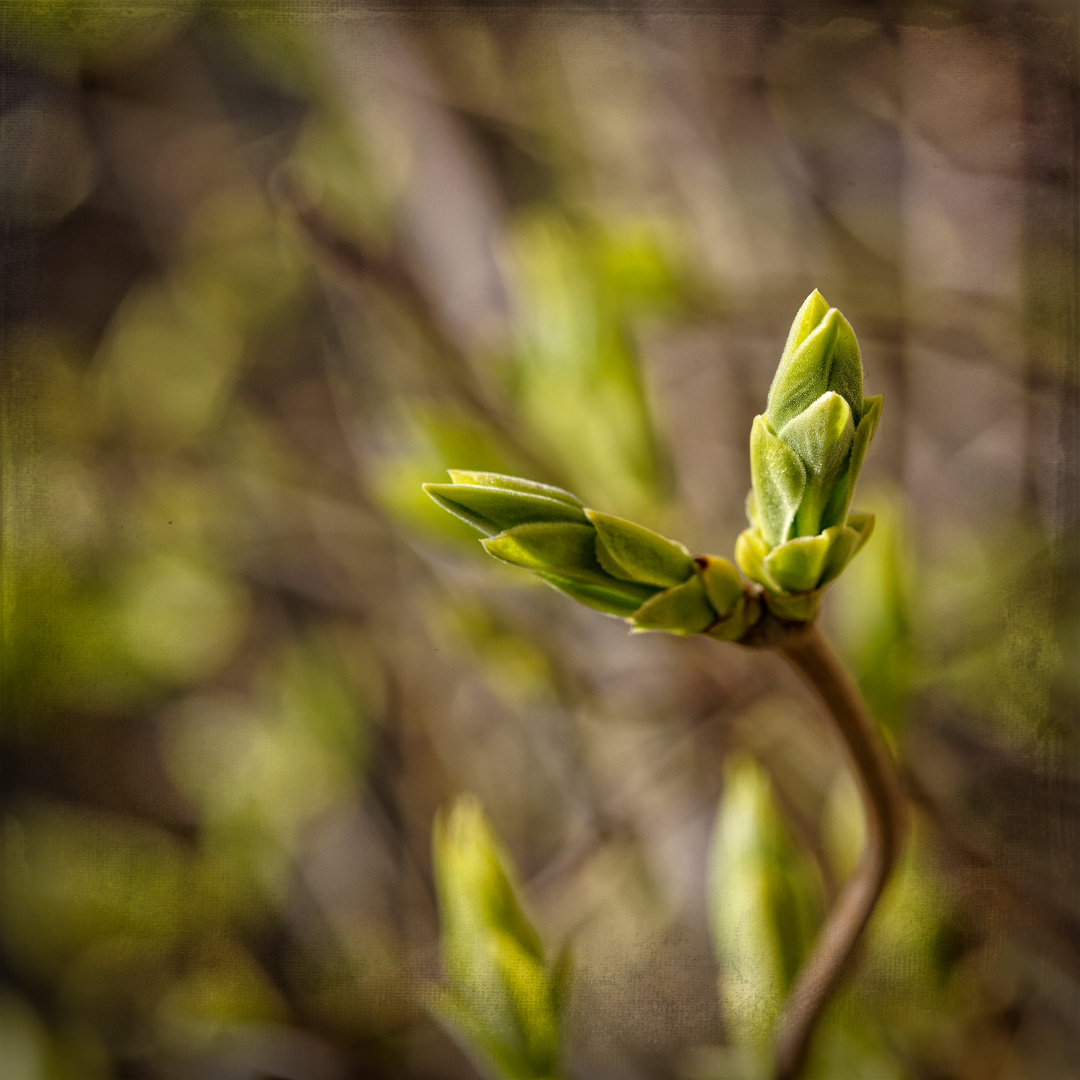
{"x": 493, "y": 509}
{"x": 513, "y": 483}
{"x": 827, "y": 358}
{"x": 813, "y": 310}
{"x": 441, "y": 494}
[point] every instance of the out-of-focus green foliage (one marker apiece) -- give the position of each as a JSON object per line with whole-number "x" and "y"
{"x": 764, "y": 908}
{"x": 577, "y": 382}
{"x": 501, "y": 998}
{"x": 766, "y": 904}
{"x": 992, "y": 594}
{"x": 916, "y": 1002}
{"x": 876, "y": 638}
{"x": 569, "y": 376}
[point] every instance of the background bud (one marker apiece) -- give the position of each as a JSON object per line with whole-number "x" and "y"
{"x": 500, "y": 999}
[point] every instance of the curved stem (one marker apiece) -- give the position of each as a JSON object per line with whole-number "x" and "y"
{"x": 804, "y": 647}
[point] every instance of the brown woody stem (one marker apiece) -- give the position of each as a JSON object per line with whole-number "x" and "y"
{"x": 804, "y": 647}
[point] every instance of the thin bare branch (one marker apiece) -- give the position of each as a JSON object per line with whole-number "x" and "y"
{"x": 804, "y": 647}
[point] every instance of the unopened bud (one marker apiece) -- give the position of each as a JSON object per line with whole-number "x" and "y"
{"x": 806, "y": 451}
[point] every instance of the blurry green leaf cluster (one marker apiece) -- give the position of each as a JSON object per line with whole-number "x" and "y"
{"x": 501, "y": 998}
{"x": 563, "y": 396}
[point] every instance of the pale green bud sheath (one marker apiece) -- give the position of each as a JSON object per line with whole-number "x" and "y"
{"x": 806, "y": 451}
{"x": 600, "y": 560}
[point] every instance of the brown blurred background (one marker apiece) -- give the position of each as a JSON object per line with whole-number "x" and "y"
{"x": 266, "y": 269}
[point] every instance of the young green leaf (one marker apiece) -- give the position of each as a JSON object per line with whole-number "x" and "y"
{"x": 843, "y": 543}
{"x": 797, "y": 565}
{"x": 561, "y": 550}
{"x": 863, "y": 524}
{"x": 610, "y": 600}
{"x": 763, "y": 904}
{"x": 815, "y": 307}
{"x": 633, "y": 553}
{"x": 750, "y": 552}
{"x": 682, "y": 609}
{"x": 491, "y": 509}
{"x": 513, "y": 483}
{"x": 821, "y": 436}
{"x": 500, "y": 1000}
{"x": 530, "y": 991}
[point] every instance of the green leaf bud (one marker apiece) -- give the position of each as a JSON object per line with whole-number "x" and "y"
{"x": 779, "y": 479}
{"x": 806, "y": 451}
{"x": 814, "y": 308}
{"x": 599, "y": 597}
{"x": 795, "y": 573}
{"x": 799, "y": 565}
{"x": 513, "y": 483}
{"x": 750, "y": 551}
{"x": 602, "y": 561}
{"x": 821, "y": 436}
{"x": 563, "y": 550}
{"x": 837, "y": 508}
{"x": 501, "y": 999}
{"x": 474, "y": 886}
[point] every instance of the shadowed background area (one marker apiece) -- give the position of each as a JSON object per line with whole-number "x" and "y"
{"x": 267, "y": 269}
